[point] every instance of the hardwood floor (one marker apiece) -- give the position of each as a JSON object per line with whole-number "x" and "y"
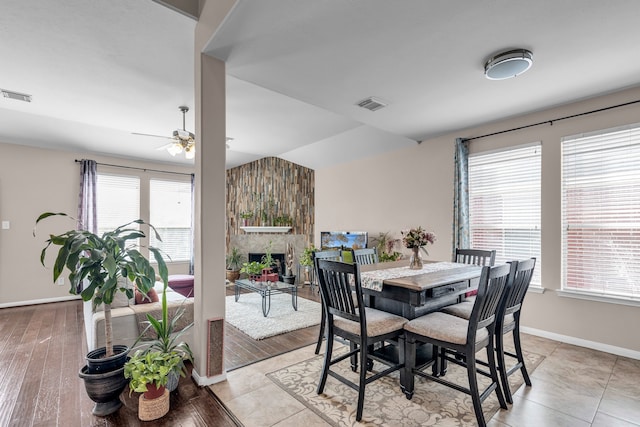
{"x": 241, "y": 350}
{"x": 42, "y": 349}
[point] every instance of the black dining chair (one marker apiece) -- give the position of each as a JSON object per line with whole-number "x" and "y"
{"x": 365, "y": 256}
{"x": 507, "y": 321}
{"x": 453, "y": 336}
{"x": 475, "y": 256}
{"x": 332, "y": 255}
{"x": 479, "y": 257}
{"x": 361, "y": 326}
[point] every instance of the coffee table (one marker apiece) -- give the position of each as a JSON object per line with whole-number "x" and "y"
{"x": 266, "y": 289}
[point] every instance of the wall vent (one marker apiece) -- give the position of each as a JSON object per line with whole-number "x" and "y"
{"x": 16, "y": 95}
{"x": 372, "y": 104}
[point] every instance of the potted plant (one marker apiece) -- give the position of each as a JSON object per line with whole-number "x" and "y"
{"x": 386, "y": 247}
{"x": 246, "y": 216}
{"x": 166, "y": 339}
{"x": 148, "y": 373}
{"x": 306, "y": 260}
{"x": 233, "y": 262}
{"x": 252, "y": 269}
{"x": 95, "y": 265}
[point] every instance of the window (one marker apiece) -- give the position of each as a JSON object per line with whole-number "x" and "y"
{"x": 170, "y": 214}
{"x": 117, "y": 201}
{"x": 504, "y": 204}
{"x": 601, "y": 213}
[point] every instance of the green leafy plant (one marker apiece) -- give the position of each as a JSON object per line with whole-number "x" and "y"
{"x": 246, "y": 215}
{"x": 386, "y": 247}
{"x": 306, "y": 258}
{"x": 234, "y": 260}
{"x": 166, "y": 336}
{"x": 95, "y": 263}
{"x": 150, "y": 367}
{"x": 267, "y": 259}
{"x": 252, "y": 268}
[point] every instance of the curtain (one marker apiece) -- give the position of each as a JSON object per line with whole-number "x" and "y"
{"x": 193, "y": 213}
{"x": 461, "y": 196}
{"x": 87, "y": 212}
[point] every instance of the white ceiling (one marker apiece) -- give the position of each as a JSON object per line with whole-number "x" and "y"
{"x": 102, "y": 69}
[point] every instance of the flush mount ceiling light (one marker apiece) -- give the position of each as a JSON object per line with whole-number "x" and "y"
{"x": 508, "y": 64}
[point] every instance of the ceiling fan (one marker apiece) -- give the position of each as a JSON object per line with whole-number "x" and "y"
{"x": 182, "y": 140}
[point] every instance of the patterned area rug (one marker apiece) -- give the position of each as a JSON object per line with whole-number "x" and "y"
{"x": 432, "y": 404}
{"x": 246, "y": 315}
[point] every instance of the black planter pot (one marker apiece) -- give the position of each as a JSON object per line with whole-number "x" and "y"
{"x": 289, "y": 279}
{"x": 104, "y": 389}
{"x": 98, "y": 364}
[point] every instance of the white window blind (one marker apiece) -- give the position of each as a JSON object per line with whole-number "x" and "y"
{"x": 504, "y": 204}
{"x": 117, "y": 201}
{"x": 601, "y": 213}
{"x": 170, "y": 214}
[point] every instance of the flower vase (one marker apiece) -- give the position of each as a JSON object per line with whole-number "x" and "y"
{"x": 415, "y": 262}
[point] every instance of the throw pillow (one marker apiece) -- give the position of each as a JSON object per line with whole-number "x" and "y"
{"x": 152, "y": 296}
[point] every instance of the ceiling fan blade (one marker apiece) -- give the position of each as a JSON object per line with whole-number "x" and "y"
{"x": 164, "y": 147}
{"x": 148, "y": 134}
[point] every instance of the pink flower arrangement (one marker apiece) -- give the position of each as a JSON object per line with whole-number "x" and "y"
{"x": 417, "y": 237}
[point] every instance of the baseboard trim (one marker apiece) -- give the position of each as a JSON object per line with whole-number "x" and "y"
{"x": 39, "y": 301}
{"x": 204, "y": 381}
{"x": 618, "y": 351}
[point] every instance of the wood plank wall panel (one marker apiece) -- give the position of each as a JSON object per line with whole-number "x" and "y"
{"x": 291, "y": 186}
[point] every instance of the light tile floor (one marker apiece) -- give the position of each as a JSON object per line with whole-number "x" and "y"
{"x": 573, "y": 386}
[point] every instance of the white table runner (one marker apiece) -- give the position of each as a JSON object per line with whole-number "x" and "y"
{"x": 373, "y": 279}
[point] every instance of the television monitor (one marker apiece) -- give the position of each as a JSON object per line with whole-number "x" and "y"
{"x": 343, "y": 239}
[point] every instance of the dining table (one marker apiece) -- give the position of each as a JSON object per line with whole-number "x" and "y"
{"x": 395, "y": 288}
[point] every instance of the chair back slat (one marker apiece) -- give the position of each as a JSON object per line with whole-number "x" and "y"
{"x": 333, "y": 255}
{"x": 493, "y": 282}
{"x": 517, "y": 289}
{"x": 365, "y": 256}
{"x": 336, "y": 286}
{"x": 475, "y": 257}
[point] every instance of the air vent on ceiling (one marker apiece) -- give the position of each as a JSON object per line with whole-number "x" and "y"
{"x": 372, "y": 104}
{"x": 16, "y": 95}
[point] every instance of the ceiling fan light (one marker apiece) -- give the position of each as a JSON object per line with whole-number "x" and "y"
{"x": 508, "y": 64}
{"x": 174, "y": 149}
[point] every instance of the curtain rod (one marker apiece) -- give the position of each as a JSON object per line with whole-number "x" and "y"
{"x": 550, "y": 122}
{"x": 140, "y": 169}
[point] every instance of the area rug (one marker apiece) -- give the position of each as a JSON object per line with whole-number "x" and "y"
{"x": 246, "y": 315}
{"x": 432, "y": 404}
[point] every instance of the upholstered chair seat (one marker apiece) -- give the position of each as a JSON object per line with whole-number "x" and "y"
{"x": 444, "y": 327}
{"x": 378, "y": 323}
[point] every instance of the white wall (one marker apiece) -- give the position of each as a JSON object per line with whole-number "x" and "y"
{"x": 414, "y": 187}
{"x": 33, "y": 181}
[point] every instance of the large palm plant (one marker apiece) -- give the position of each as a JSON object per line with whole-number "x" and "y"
{"x": 95, "y": 263}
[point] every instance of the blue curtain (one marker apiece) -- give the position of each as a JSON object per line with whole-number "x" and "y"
{"x": 461, "y": 197}
{"x": 193, "y": 213}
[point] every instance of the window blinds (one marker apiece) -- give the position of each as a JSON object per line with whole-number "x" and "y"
{"x": 170, "y": 214}
{"x": 117, "y": 201}
{"x": 504, "y": 204}
{"x": 601, "y": 212}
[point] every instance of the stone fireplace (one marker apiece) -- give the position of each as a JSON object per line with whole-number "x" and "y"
{"x": 254, "y": 245}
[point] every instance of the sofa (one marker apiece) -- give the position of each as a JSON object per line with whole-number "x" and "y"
{"x": 127, "y": 318}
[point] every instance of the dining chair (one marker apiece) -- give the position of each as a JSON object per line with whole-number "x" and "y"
{"x": 333, "y": 255}
{"x": 453, "y": 336}
{"x": 360, "y": 325}
{"x": 474, "y": 257}
{"x": 366, "y": 256}
{"x": 507, "y": 321}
